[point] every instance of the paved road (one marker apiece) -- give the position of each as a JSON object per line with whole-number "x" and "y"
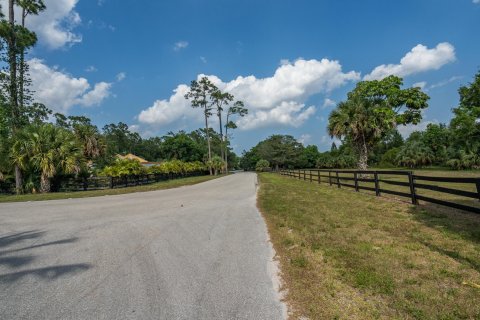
{"x": 198, "y": 252}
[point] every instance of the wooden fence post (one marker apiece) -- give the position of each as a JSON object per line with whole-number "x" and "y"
{"x": 338, "y": 180}
{"x": 356, "y": 181}
{"x": 478, "y": 188}
{"x": 319, "y": 177}
{"x": 111, "y": 183}
{"x": 411, "y": 181}
{"x": 330, "y": 177}
{"x": 310, "y": 175}
{"x": 377, "y": 186}
{"x": 85, "y": 184}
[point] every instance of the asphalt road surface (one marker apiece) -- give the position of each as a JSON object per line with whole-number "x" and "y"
{"x": 197, "y": 252}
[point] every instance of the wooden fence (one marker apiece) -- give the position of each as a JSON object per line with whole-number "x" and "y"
{"x": 413, "y": 185}
{"x": 101, "y": 183}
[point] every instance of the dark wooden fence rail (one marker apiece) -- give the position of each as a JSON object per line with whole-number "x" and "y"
{"x": 101, "y": 183}
{"x": 375, "y": 179}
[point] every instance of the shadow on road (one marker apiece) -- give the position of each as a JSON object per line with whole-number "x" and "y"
{"x": 11, "y": 260}
{"x": 48, "y": 273}
{"x": 20, "y": 236}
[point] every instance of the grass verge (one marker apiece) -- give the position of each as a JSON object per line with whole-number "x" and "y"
{"x": 347, "y": 255}
{"x": 97, "y": 193}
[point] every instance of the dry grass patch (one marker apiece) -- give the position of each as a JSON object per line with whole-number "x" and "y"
{"x": 346, "y": 255}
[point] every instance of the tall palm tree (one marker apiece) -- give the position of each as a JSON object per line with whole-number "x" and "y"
{"x": 238, "y": 109}
{"x": 200, "y": 93}
{"x": 358, "y": 120}
{"x": 221, "y": 99}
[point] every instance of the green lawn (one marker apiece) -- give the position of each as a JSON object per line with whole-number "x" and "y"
{"x": 425, "y": 192}
{"x": 84, "y": 194}
{"x": 348, "y": 255}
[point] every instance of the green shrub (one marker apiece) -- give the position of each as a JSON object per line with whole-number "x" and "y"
{"x": 124, "y": 167}
{"x": 262, "y": 165}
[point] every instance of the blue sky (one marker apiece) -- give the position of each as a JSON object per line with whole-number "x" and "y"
{"x": 290, "y": 61}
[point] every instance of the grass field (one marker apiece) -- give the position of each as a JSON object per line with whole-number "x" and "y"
{"x": 97, "y": 193}
{"x": 348, "y": 255}
{"x": 425, "y": 192}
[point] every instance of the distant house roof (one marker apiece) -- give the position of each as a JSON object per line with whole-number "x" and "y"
{"x": 144, "y": 162}
{"x": 132, "y": 157}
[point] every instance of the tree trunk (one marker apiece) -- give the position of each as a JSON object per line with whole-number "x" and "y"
{"x": 222, "y": 152}
{"x": 12, "y": 61}
{"x": 18, "y": 180}
{"x": 226, "y": 147}
{"x": 22, "y": 70}
{"x": 363, "y": 158}
{"x": 208, "y": 143}
{"x": 44, "y": 183}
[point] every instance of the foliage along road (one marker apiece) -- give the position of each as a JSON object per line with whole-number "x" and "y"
{"x": 197, "y": 252}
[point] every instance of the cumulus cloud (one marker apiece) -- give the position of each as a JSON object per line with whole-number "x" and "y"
{"x": 121, "y": 76}
{"x": 406, "y": 130}
{"x": 60, "y": 91}
{"x": 55, "y": 26}
{"x": 180, "y": 45}
{"x": 167, "y": 111}
{"x": 279, "y": 99}
{"x": 327, "y": 103}
{"x": 419, "y": 59}
{"x": 287, "y": 113}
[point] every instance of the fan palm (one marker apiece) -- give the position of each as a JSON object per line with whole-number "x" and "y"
{"x": 92, "y": 142}
{"x": 359, "y": 120}
{"x": 49, "y": 150}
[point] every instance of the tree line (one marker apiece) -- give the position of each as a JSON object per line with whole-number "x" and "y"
{"x": 38, "y": 146}
{"x": 367, "y": 125}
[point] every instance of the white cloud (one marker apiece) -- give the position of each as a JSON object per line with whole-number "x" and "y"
{"x": 287, "y": 113}
{"x": 327, "y": 103}
{"x": 327, "y": 141}
{"x": 421, "y": 85}
{"x": 91, "y": 69}
{"x": 444, "y": 82}
{"x": 203, "y": 59}
{"x": 94, "y": 97}
{"x": 476, "y": 1}
{"x": 305, "y": 139}
{"x": 166, "y": 111}
{"x": 121, "y": 76}
{"x": 180, "y": 45}
{"x": 60, "y": 91}
{"x": 55, "y": 26}
{"x": 406, "y": 130}
{"x": 419, "y": 59}
{"x": 276, "y": 100}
